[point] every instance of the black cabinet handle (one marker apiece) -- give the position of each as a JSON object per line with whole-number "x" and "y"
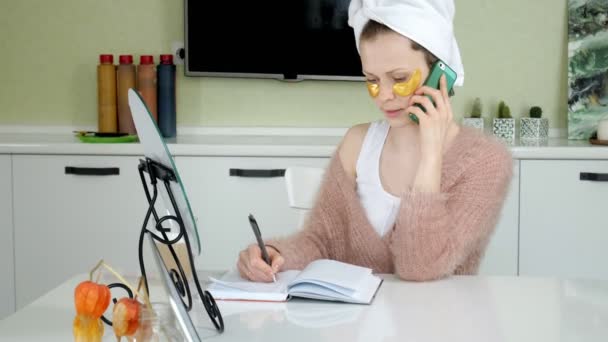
{"x": 257, "y": 173}
{"x": 91, "y": 171}
{"x": 594, "y": 177}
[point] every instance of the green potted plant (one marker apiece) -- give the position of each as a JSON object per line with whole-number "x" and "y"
{"x": 534, "y": 126}
{"x": 475, "y": 119}
{"x": 504, "y": 124}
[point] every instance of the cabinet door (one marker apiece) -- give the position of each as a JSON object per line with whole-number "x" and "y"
{"x": 221, "y": 202}
{"x": 7, "y": 280}
{"x": 501, "y": 254}
{"x": 66, "y": 222}
{"x": 564, "y": 229}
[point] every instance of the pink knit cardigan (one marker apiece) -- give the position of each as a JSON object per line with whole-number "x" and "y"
{"x": 435, "y": 234}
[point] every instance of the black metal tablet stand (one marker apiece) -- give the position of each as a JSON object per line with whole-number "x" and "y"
{"x": 158, "y": 172}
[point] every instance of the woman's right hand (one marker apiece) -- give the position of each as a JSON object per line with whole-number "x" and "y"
{"x": 251, "y": 265}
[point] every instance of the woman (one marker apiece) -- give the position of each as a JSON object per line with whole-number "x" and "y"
{"x": 420, "y": 200}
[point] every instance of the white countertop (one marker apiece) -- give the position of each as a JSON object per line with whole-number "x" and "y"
{"x": 462, "y": 308}
{"x": 186, "y": 145}
{"x": 275, "y": 144}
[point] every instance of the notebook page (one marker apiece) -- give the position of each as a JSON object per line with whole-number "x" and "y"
{"x": 335, "y": 275}
{"x": 232, "y": 286}
{"x": 362, "y": 296}
{"x": 238, "y": 295}
{"x": 315, "y": 291}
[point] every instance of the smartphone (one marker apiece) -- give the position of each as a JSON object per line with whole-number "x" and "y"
{"x": 437, "y": 69}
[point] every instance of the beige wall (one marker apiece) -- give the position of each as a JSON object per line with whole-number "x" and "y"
{"x": 513, "y": 50}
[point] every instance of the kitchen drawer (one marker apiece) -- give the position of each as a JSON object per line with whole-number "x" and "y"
{"x": 563, "y": 227}
{"x": 222, "y": 199}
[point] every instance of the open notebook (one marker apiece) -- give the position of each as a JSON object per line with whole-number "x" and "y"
{"x": 322, "y": 279}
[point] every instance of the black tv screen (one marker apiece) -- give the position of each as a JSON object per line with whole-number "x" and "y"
{"x": 285, "y": 39}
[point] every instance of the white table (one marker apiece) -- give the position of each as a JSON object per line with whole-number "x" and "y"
{"x": 456, "y": 309}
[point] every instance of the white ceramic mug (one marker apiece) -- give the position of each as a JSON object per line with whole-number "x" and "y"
{"x": 602, "y": 129}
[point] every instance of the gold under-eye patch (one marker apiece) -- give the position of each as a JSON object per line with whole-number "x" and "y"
{"x": 408, "y": 87}
{"x": 373, "y": 89}
{"x": 402, "y": 88}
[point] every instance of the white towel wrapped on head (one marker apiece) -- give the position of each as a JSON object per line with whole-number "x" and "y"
{"x": 427, "y": 22}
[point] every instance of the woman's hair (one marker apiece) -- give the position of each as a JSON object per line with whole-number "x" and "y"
{"x": 372, "y": 29}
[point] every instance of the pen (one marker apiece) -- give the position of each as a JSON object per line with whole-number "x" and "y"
{"x": 258, "y": 237}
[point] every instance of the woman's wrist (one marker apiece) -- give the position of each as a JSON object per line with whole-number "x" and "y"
{"x": 428, "y": 175}
{"x": 430, "y": 159}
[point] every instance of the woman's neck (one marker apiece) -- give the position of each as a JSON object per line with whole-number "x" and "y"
{"x": 408, "y": 136}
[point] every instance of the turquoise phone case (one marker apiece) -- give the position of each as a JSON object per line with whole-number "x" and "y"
{"x": 432, "y": 81}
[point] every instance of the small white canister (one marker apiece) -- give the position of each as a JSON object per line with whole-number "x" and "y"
{"x": 602, "y": 129}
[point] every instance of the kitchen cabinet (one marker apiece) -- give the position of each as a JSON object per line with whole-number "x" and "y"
{"x": 70, "y": 212}
{"x": 563, "y": 226}
{"x": 7, "y": 280}
{"x": 223, "y": 191}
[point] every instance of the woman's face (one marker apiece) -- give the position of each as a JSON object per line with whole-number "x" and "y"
{"x": 389, "y": 59}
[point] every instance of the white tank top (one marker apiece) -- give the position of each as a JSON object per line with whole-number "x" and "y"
{"x": 381, "y": 207}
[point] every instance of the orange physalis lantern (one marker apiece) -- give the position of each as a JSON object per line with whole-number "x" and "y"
{"x": 91, "y": 299}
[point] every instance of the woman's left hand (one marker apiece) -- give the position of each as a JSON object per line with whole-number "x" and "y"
{"x": 435, "y": 122}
